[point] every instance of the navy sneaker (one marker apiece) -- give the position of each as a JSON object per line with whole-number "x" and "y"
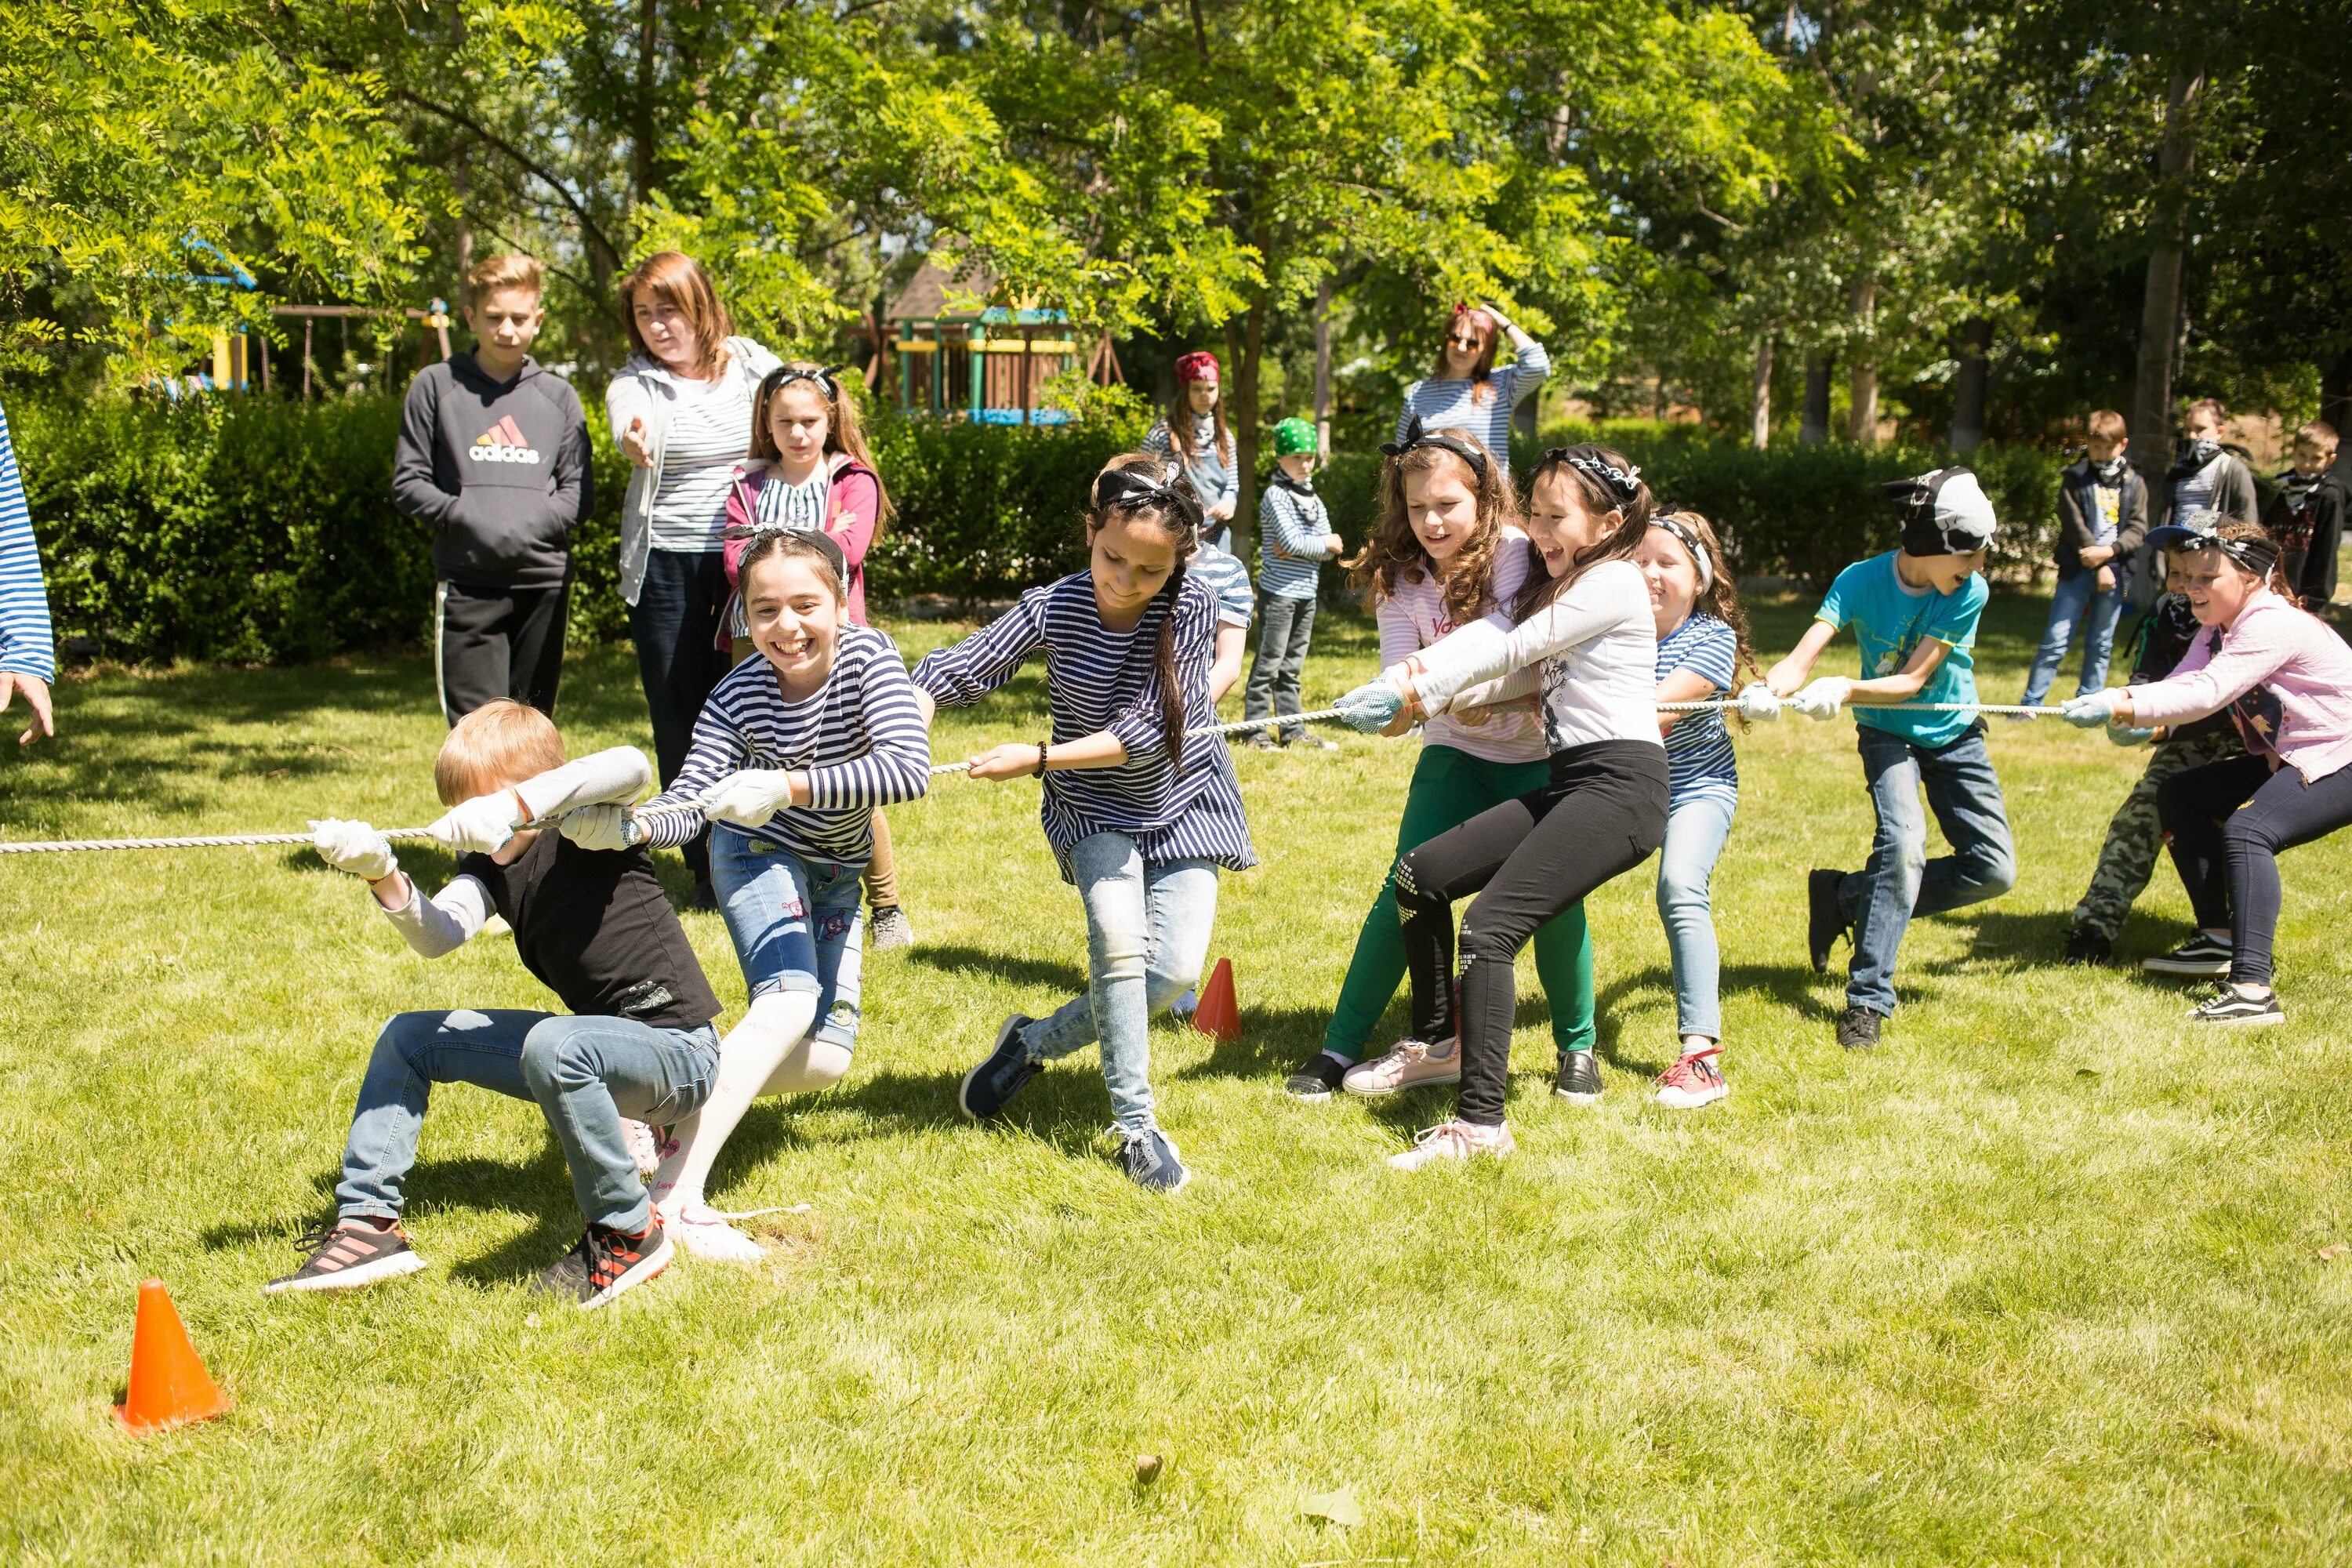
{"x": 2228, "y": 1007}
{"x": 1150, "y": 1160}
{"x": 1002, "y": 1075}
{"x": 1317, "y": 1076}
{"x": 2202, "y": 957}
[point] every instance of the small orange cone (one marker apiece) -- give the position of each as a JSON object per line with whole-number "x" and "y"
{"x": 1218, "y": 1016}
{"x": 168, "y": 1384}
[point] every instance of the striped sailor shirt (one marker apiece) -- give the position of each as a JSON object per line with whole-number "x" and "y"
{"x": 27, "y": 646}
{"x": 861, "y": 740}
{"x": 1292, "y": 520}
{"x": 1097, "y": 679}
{"x": 1453, "y": 403}
{"x": 1699, "y": 758}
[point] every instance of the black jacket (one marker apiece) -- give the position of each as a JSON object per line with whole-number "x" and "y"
{"x": 499, "y": 469}
{"x": 2078, "y": 512}
{"x": 2307, "y": 518}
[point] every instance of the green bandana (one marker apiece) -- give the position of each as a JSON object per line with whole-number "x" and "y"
{"x": 1293, "y": 436}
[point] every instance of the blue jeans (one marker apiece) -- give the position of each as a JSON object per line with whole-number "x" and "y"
{"x": 584, "y": 1073}
{"x": 1146, "y": 933}
{"x": 2076, "y": 601}
{"x": 1899, "y": 881}
{"x": 1285, "y": 628}
{"x": 1697, "y": 827}
{"x": 795, "y": 924}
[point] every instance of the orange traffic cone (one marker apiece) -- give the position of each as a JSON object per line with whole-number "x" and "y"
{"x": 1218, "y": 1016}
{"x": 168, "y": 1384}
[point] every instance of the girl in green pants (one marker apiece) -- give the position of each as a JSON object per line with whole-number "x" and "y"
{"x": 1448, "y": 551}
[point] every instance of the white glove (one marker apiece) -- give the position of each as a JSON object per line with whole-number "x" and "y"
{"x": 618, "y": 773}
{"x": 749, "y": 798}
{"x": 606, "y": 826}
{"x": 353, "y": 846}
{"x": 2088, "y": 712}
{"x": 1759, "y": 704}
{"x": 2129, "y": 734}
{"x": 1822, "y": 697}
{"x": 480, "y": 825}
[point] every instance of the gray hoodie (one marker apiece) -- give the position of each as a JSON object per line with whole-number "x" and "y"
{"x": 499, "y": 469}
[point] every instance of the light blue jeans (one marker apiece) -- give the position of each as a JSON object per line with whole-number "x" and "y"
{"x": 1899, "y": 881}
{"x": 585, "y": 1074}
{"x": 795, "y": 924}
{"x": 1146, "y": 933}
{"x": 1696, "y": 827}
{"x": 2076, "y": 601}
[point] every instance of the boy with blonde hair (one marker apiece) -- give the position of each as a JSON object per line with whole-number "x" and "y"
{"x": 493, "y": 458}
{"x": 593, "y": 927}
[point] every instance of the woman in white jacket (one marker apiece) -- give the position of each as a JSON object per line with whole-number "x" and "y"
{"x": 681, "y": 413}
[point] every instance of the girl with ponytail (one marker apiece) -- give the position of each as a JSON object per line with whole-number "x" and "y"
{"x": 1139, "y": 818}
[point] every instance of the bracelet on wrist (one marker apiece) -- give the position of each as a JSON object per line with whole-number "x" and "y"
{"x": 1043, "y": 747}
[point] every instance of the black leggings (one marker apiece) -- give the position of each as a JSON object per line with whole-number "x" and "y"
{"x": 2226, "y": 823}
{"x": 1528, "y": 859}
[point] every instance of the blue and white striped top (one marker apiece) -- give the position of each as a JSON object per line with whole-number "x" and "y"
{"x": 1699, "y": 758}
{"x": 26, "y": 644}
{"x": 1451, "y": 404}
{"x": 861, "y": 740}
{"x": 1292, "y": 520}
{"x": 1097, "y": 679}
{"x": 1229, "y": 580}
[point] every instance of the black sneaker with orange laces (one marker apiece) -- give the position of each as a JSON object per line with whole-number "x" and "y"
{"x": 605, "y": 1263}
{"x": 346, "y": 1254}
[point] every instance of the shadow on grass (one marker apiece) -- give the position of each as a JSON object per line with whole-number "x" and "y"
{"x": 949, "y": 959}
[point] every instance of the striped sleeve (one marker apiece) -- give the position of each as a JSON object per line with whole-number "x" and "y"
{"x": 959, "y": 676}
{"x": 898, "y": 763}
{"x": 1160, "y": 439}
{"x": 27, "y": 646}
{"x": 1139, "y": 726}
{"x": 1710, "y": 652}
{"x": 1531, "y": 369}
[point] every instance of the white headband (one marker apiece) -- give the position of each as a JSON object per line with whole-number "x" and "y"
{"x": 1698, "y": 555}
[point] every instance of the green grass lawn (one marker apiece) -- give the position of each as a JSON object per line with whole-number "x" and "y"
{"x": 2042, "y": 1279}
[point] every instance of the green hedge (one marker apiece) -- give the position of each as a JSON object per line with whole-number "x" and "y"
{"x": 259, "y": 530}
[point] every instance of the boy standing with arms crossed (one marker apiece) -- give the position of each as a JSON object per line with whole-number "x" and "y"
{"x": 1295, "y": 538}
{"x": 2102, "y": 517}
{"x": 494, "y": 457}
{"x": 593, "y": 926}
{"x": 1914, "y": 612}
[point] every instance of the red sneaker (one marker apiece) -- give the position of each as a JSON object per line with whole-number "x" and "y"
{"x": 1693, "y": 1081}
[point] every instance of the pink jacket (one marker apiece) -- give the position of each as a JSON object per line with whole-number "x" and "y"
{"x": 853, "y": 509}
{"x": 2295, "y": 657}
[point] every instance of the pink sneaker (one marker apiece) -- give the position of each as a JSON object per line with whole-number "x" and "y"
{"x": 1693, "y": 1081}
{"x": 1410, "y": 1065}
{"x": 1453, "y": 1140}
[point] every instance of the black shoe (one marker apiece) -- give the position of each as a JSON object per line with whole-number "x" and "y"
{"x": 705, "y": 897}
{"x": 1858, "y": 1029}
{"x": 1001, "y": 1075}
{"x": 1150, "y": 1160}
{"x": 2227, "y": 1006}
{"x": 2202, "y": 957}
{"x": 346, "y": 1254}
{"x": 2087, "y": 947}
{"x": 1825, "y": 916}
{"x": 605, "y": 1263}
{"x": 1578, "y": 1083}
{"x": 1317, "y": 1077}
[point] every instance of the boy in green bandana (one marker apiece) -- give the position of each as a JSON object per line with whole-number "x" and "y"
{"x": 1295, "y": 538}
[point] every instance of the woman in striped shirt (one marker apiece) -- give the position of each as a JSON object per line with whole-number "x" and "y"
{"x": 1702, "y": 642}
{"x": 681, "y": 413}
{"x": 792, "y": 756}
{"x": 28, "y": 654}
{"x": 1139, "y": 817}
{"x": 1466, "y": 391}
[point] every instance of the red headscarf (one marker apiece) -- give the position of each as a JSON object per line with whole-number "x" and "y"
{"x": 1197, "y": 366}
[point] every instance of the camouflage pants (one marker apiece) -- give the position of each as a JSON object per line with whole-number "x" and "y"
{"x": 2135, "y": 838}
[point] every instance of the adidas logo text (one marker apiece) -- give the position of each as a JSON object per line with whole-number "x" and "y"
{"x": 503, "y": 443}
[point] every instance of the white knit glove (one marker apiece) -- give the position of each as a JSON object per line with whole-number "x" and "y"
{"x": 354, "y": 847}
{"x": 1759, "y": 704}
{"x": 607, "y": 827}
{"x": 1822, "y": 697}
{"x": 749, "y": 798}
{"x": 480, "y": 825}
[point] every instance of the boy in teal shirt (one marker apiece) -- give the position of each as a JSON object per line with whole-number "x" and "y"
{"x": 1914, "y": 612}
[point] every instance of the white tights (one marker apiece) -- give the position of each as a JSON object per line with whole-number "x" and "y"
{"x": 770, "y": 1052}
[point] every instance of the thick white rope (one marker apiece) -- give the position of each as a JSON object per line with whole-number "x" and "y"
{"x": 1240, "y": 726}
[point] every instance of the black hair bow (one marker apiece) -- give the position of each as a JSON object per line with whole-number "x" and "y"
{"x": 1133, "y": 489}
{"x": 1416, "y": 436}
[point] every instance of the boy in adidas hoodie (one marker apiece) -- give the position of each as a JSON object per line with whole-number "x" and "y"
{"x": 494, "y": 457}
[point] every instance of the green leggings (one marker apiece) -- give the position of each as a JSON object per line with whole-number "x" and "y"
{"x": 1449, "y": 788}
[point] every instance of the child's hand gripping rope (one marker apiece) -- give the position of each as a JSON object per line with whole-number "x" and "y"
{"x": 1371, "y": 707}
{"x": 1822, "y": 697}
{"x": 356, "y": 848}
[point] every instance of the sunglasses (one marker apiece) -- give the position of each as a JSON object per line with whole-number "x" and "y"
{"x": 1461, "y": 340}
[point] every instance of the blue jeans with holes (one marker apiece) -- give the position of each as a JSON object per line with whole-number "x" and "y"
{"x": 2076, "y": 601}
{"x": 1696, "y": 827}
{"x": 795, "y": 924}
{"x": 585, "y": 1074}
{"x": 1148, "y": 929}
{"x": 1899, "y": 881}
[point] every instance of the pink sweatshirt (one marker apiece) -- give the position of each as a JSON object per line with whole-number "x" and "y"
{"x": 853, "y": 501}
{"x": 1414, "y": 616}
{"x": 2293, "y": 656}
